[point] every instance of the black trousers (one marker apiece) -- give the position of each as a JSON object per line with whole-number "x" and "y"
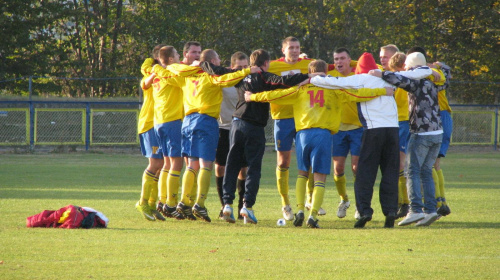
{"x": 379, "y": 147}
{"x": 247, "y": 145}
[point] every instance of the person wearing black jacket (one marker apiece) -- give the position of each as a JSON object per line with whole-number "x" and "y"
{"x": 247, "y": 135}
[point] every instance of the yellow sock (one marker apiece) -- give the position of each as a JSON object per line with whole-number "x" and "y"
{"x": 318, "y": 195}
{"x": 310, "y": 187}
{"x": 403, "y": 191}
{"x": 282, "y": 182}
{"x": 436, "y": 187}
{"x": 300, "y": 191}
{"x": 154, "y": 193}
{"x": 147, "y": 184}
{"x": 203, "y": 185}
{"x": 441, "y": 185}
{"x": 194, "y": 191}
{"x": 188, "y": 180}
{"x": 173, "y": 182}
{"x": 340, "y": 183}
{"x": 162, "y": 186}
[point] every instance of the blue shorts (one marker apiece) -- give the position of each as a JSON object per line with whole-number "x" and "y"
{"x": 404, "y": 135}
{"x": 345, "y": 141}
{"x": 200, "y": 134}
{"x": 447, "y": 123}
{"x": 314, "y": 150}
{"x": 284, "y": 134}
{"x": 149, "y": 144}
{"x": 169, "y": 138}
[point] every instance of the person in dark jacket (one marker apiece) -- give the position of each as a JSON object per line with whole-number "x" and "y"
{"x": 247, "y": 135}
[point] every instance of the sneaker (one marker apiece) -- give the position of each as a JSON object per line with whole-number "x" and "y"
{"x": 185, "y": 211}
{"x": 287, "y": 213}
{"x": 228, "y": 214}
{"x": 444, "y": 210}
{"x": 145, "y": 211}
{"x": 156, "y": 214}
{"x": 357, "y": 216}
{"x": 248, "y": 216}
{"x": 312, "y": 223}
{"x": 342, "y": 209}
{"x": 172, "y": 212}
{"x": 427, "y": 220}
{"x": 389, "y": 220}
{"x": 403, "y": 210}
{"x": 299, "y": 219}
{"x": 411, "y": 218}
{"x": 321, "y": 212}
{"x": 201, "y": 212}
{"x": 159, "y": 208}
{"x": 362, "y": 221}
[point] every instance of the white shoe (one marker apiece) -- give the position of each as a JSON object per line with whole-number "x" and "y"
{"x": 321, "y": 212}
{"x": 357, "y": 216}
{"x": 411, "y": 218}
{"x": 428, "y": 219}
{"x": 287, "y": 213}
{"x": 342, "y": 209}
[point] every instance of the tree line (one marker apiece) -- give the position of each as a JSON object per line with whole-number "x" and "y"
{"x": 101, "y": 39}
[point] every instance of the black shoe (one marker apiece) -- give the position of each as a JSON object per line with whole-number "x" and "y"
{"x": 172, "y": 212}
{"x": 221, "y": 216}
{"x": 389, "y": 220}
{"x": 185, "y": 211}
{"x": 403, "y": 211}
{"x": 299, "y": 219}
{"x": 201, "y": 212}
{"x": 444, "y": 210}
{"x": 312, "y": 223}
{"x": 159, "y": 208}
{"x": 362, "y": 221}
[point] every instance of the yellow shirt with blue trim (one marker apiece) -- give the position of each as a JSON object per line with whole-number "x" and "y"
{"x": 203, "y": 92}
{"x": 146, "y": 115}
{"x": 349, "y": 118}
{"x": 316, "y": 107}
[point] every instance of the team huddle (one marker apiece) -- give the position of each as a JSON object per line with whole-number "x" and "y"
{"x": 394, "y": 117}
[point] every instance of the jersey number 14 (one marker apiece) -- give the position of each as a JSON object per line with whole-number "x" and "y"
{"x": 316, "y": 98}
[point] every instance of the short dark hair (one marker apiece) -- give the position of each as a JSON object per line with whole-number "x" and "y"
{"x": 156, "y": 51}
{"x": 417, "y": 49}
{"x": 289, "y": 39}
{"x": 238, "y": 56}
{"x": 259, "y": 57}
{"x": 341, "y": 50}
{"x": 165, "y": 53}
{"x": 189, "y": 44}
{"x": 318, "y": 65}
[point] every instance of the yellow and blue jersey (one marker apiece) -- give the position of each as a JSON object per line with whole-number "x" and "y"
{"x": 349, "y": 116}
{"x": 146, "y": 116}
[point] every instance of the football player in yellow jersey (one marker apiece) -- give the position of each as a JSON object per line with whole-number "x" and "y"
{"x": 167, "y": 125}
{"x": 348, "y": 138}
{"x": 149, "y": 144}
{"x": 447, "y": 122}
{"x": 202, "y": 100}
{"x": 316, "y": 113}
{"x": 284, "y": 127}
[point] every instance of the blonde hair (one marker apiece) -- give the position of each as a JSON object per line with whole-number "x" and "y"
{"x": 391, "y": 47}
{"x": 397, "y": 61}
{"x": 318, "y": 66}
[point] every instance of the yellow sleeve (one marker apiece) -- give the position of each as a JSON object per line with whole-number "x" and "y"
{"x": 147, "y": 66}
{"x": 363, "y": 94}
{"x": 279, "y": 96}
{"x": 183, "y": 70}
{"x": 167, "y": 76}
{"x": 441, "y": 74}
{"x": 229, "y": 79}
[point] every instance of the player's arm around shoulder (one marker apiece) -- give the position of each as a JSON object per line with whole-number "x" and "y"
{"x": 278, "y": 96}
{"x": 147, "y": 66}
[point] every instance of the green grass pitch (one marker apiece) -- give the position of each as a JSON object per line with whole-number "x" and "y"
{"x": 463, "y": 245}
